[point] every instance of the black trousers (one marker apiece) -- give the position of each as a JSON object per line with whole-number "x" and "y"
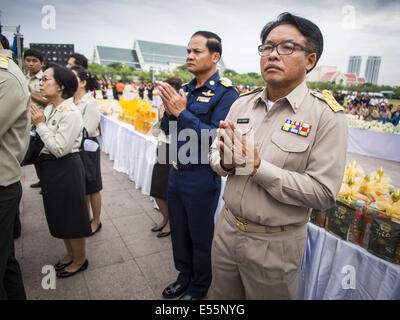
{"x": 11, "y": 284}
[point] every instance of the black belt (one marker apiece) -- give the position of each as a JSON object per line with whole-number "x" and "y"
{"x": 46, "y": 156}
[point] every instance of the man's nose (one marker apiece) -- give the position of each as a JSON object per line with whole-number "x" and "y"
{"x": 274, "y": 55}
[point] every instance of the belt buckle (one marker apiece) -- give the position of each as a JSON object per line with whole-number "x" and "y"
{"x": 240, "y": 225}
{"x": 175, "y": 165}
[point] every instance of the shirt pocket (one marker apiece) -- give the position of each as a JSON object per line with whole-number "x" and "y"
{"x": 291, "y": 151}
{"x": 201, "y": 110}
{"x": 243, "y": 128}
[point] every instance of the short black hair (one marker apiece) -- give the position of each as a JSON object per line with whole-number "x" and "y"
{"x": 175, "y": 82}
{"x": 80, "y": 59}
{"x": 34, "y": 53}
{"x": 313, "y": 35}
{"x": 4, "y": 42}
{"x": 84, "y": 75}
{"x": 64, "y": 78}
{"x": 213, "y": 41}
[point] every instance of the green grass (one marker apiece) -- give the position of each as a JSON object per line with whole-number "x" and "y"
{"x": 395, "y": 103}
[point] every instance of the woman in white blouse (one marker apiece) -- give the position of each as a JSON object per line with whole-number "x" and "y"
{"x": 87, "y": 105}
{"x": 61, "y": 169}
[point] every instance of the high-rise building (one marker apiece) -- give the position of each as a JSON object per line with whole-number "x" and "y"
{"x": 54, "y": 52}
{"x": 354, "y": 65}
{"x": 372, "y": 69}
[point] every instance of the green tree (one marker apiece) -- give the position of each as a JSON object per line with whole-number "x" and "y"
{"x": 96, "y": 69}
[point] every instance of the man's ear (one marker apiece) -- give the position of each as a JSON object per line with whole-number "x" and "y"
{"x": 311, "y": 61}
{"x": 216, "y": 56}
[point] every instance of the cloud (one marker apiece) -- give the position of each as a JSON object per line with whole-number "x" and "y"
{"x": 117, "y": 23}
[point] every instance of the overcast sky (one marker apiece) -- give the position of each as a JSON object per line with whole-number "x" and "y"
{"x": 359, "y": 27}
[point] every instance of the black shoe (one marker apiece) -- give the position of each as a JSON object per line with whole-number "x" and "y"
{"x": 66, "y": 274}
{"x": 98, "y": 229}
{"x": 156, "y": 228}
{"x": 36, "y": 185}
{"x": 174, "y": 290}
{"x": 60, "y": 266}
{"x": 163, "y": 234}
{"x": 188, "y": 296}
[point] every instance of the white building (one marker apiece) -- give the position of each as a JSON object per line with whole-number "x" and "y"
{"x": 333, "y": 75}
{"x": 146, "y": 55}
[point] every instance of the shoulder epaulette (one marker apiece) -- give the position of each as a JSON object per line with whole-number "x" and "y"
{"x": 3, "y": 62}
{"x": 69, "y": 107}
{"x": 327, "y": 96}
{"x": 184, "y": 84}
{"x": 251, "y": 91}
{"x": 225, "y": 83}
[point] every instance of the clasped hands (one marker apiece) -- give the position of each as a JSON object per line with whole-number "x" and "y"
{"x": 235, "y": 150}
{"x": 174, "y": 102}
{"x": 37, "y": 115}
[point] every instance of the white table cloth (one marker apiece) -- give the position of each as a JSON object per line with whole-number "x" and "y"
{"x": 382, "y": 145}
{"x": 323, "y": 271}
{"x": 133, "y": 153}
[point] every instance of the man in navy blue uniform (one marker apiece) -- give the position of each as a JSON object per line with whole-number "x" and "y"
{"x": 192, "y": 116}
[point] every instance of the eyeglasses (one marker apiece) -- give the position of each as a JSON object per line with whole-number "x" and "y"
{"x": 44, "y": 79}
{"x": 283, "y": 48}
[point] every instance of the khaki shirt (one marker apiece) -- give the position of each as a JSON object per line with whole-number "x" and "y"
{"x": 62, "y": 131}
{"x": 33, "y": 84}
{"x": 14, "y": 119}
{"x": 91, "y": 114}
{"x": 296, "y": 172}
{"x": 364, "y": 112}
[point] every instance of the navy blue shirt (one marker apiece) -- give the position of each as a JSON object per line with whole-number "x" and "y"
{"x": 205, "y": 107}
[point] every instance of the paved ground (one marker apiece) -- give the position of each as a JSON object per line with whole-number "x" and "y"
{"x": 126, "y": 259}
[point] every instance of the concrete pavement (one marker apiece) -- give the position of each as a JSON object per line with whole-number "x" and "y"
{"x": 126, "y": 259}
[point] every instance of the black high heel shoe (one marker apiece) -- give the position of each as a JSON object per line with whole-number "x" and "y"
{"x": 60, "y": 266}
{"x": 66, "y": 274}
{"x": 156, "y": 228}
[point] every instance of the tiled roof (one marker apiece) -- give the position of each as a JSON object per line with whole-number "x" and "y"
{"x": 328, "y": 75}
{"x": 350, "y": 77}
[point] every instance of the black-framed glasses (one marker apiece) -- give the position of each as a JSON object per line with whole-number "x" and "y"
{"x": 45, "y": 79}
{"x": 283, "y": 48}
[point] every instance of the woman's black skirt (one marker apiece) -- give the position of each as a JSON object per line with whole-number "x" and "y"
{"x": 63, "y": 186}
{"x": 159, "y": 179}
{"x": 91, "y": 163}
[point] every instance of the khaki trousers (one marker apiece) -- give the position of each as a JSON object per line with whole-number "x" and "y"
{"x": 255, "y": 265}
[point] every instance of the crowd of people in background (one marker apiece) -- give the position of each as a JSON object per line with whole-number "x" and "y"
{"x": 114, "y": 89}
{"x": 370, "y": 108}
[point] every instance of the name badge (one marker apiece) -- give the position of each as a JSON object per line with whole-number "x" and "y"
{"x": 243, "y": 120}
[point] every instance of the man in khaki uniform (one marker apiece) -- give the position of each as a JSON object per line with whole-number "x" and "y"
{"x": 14, "y": 139}
{"x": 33, "y": 60}
{"x": 283, "y": 149}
